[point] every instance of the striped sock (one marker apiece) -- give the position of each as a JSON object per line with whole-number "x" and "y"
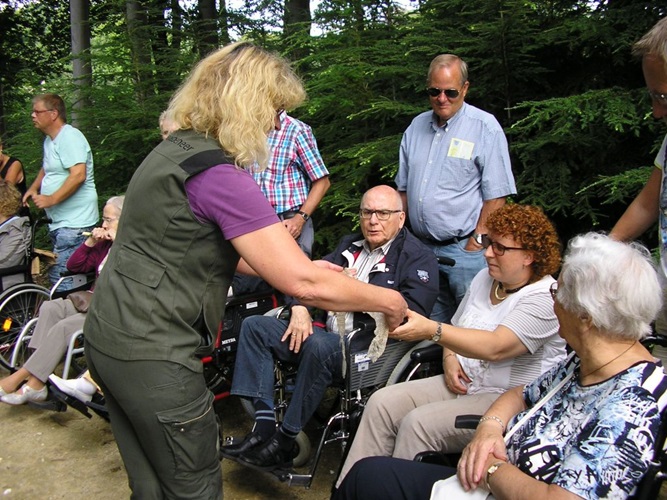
{"x": 265, "y": 419}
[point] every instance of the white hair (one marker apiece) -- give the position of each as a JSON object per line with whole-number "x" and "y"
{"x": 614, "y": 284}
{"x": 116, "y": 202}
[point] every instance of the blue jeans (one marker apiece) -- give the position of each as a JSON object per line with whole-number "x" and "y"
{"x": 65, "y": 241}
{"x": 319, "y": 360}
{"x": 454, "y": 281}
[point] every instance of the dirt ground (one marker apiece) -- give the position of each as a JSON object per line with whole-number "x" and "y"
{"x": 49, "y": 455}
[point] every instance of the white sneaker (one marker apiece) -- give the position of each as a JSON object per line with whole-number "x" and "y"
{"x": 74, "y": 388}
{"x": 25, "y": 394}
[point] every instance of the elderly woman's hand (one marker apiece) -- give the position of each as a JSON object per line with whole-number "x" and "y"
{"x": 417, "y": 327}
{"x": 486, "y": 447}
{"x": 299, "y": 329}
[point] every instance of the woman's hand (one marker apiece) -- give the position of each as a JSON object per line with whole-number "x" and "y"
{"x": 417, "y": 327}
{"x": 98, "y": 234}
{"x": 325, "y": 264}
{"x": 486, "y": 448}
{"x": 455, "y": 377}
{"x": 299, "y": 329}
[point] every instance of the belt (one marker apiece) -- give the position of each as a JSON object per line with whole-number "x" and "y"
{"x": 444, "y": 243}
{"x": 288, "y": 214}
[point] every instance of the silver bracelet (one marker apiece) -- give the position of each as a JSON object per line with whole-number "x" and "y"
{"x": 493, "y": 417}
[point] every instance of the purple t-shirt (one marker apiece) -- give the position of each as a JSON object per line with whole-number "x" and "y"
{"x": 230, "y": 198}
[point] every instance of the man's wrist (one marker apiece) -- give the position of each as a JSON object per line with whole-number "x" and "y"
{"x": 303, "y": 214}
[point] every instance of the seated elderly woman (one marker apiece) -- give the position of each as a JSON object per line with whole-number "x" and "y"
{"x": 504, "y": 334}
{"x": 59, "y": 319}
{"x": 596, "y": 433}
{"x": 14, "y": 234}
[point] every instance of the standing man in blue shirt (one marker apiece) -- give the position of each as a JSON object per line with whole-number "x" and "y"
{"x": 65, "y": 185}
{"x": 296, "y": 179}
{"x": 454, "y": 169}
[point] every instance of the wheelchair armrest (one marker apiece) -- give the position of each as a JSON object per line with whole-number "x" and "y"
{"x": 467, "y": 421}
{"x": 654, "y": 339}
{"x": 427, "y": 354}
{"x": 364, "y": 323}
{"x": 435, "y": 458}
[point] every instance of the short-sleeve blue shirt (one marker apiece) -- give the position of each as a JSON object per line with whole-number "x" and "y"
{"x": 69, "y": 148}
{"x": 449, "y": 171}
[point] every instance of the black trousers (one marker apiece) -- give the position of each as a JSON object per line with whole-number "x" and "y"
{"x": 386, "y": 478}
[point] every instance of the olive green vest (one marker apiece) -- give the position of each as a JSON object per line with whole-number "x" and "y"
{"x": 162, "y": 291}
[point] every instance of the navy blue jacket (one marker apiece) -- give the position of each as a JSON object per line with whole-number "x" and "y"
{"x": 409, "y": 267}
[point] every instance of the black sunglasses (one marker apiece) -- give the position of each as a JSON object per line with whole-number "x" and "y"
{"x": 435, "y": 92}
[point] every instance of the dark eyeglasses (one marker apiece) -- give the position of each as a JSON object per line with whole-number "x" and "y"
{"x": 380, "y": 214}
{"x": 660, "y": 98}
{"x": 498, "y": 248}
{"x": 40, "y": 111}
{"x": 450, "y": 93}
{"x": 553, "y": 290}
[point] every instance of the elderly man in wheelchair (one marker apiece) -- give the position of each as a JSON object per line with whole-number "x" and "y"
{"x": 388, "y": 256}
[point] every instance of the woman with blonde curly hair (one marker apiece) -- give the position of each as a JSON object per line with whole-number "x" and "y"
{"x": 192, "y": 214}
{"x": 504, "y": 334}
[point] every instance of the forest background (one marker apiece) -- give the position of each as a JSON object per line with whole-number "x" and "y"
{"x": 557, "y": 74}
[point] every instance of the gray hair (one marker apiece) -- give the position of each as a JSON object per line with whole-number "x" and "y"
{"x": 116, "y": 202}
{"x": 445, "y": 61}
{"x": 614, "y": 284}
{"x": 654, "y": 42}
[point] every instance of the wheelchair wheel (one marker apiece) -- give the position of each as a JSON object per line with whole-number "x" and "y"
{"x": 407, "y": 369}
{"x": 18, "y": 305}
{"x": 303, "y": 446}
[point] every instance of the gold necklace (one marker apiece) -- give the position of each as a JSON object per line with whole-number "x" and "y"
{"x": 495, "y": 292}
{"x": 608, "y": 362}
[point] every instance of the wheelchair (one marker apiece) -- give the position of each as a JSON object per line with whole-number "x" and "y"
{"x": 362, "y": 379}
{"x": 19, "y": 303}
{"x": 218, "y": 365}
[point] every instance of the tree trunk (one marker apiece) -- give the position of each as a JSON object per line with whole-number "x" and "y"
{"x": 207, "y": 27}
{"x": 82, "y": 70}
{"x": 297, "y": 23}
{"x": 137, "y": 26}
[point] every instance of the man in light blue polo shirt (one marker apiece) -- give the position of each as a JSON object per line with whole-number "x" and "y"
{"x": 454, "y": 170}
{"x": 65, "y": 185}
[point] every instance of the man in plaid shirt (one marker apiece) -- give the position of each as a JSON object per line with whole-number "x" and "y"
{"x": 296, "y": 179}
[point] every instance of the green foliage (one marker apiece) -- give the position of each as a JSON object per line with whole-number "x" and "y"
{"x": 557, "y": 74}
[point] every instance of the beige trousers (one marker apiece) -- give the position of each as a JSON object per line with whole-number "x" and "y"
{"x": 404, "y": 419}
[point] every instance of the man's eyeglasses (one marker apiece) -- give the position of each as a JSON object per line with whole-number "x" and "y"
{"x": 380, "y": 214}
{"x": 660, "y": 98}
{"x": 450, "y": 93}
{"x": 109, "y": 220}
{"x": 553, "y": 290}
{"x": 40, "y": 111}
{"x": 498, "y": 248}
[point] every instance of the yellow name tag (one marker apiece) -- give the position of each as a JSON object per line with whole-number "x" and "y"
{"x": 460, "y": 149}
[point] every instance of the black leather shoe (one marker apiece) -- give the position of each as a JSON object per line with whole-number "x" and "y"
{"x": 268, "y": 456}
{"x": 234, "y": 450}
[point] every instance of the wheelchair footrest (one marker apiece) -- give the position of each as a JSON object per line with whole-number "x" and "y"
{"x": 292, "y": 478}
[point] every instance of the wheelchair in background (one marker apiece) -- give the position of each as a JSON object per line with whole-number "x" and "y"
{"x": 218, "y": 365}
{"x": 20, "y": 303}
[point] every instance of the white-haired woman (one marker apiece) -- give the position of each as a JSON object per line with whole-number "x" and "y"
{"x": 59, "y": 319}
{"x": 593, "y": 438}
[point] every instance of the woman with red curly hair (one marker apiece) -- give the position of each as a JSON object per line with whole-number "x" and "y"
{"x": 504, "y": 334}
